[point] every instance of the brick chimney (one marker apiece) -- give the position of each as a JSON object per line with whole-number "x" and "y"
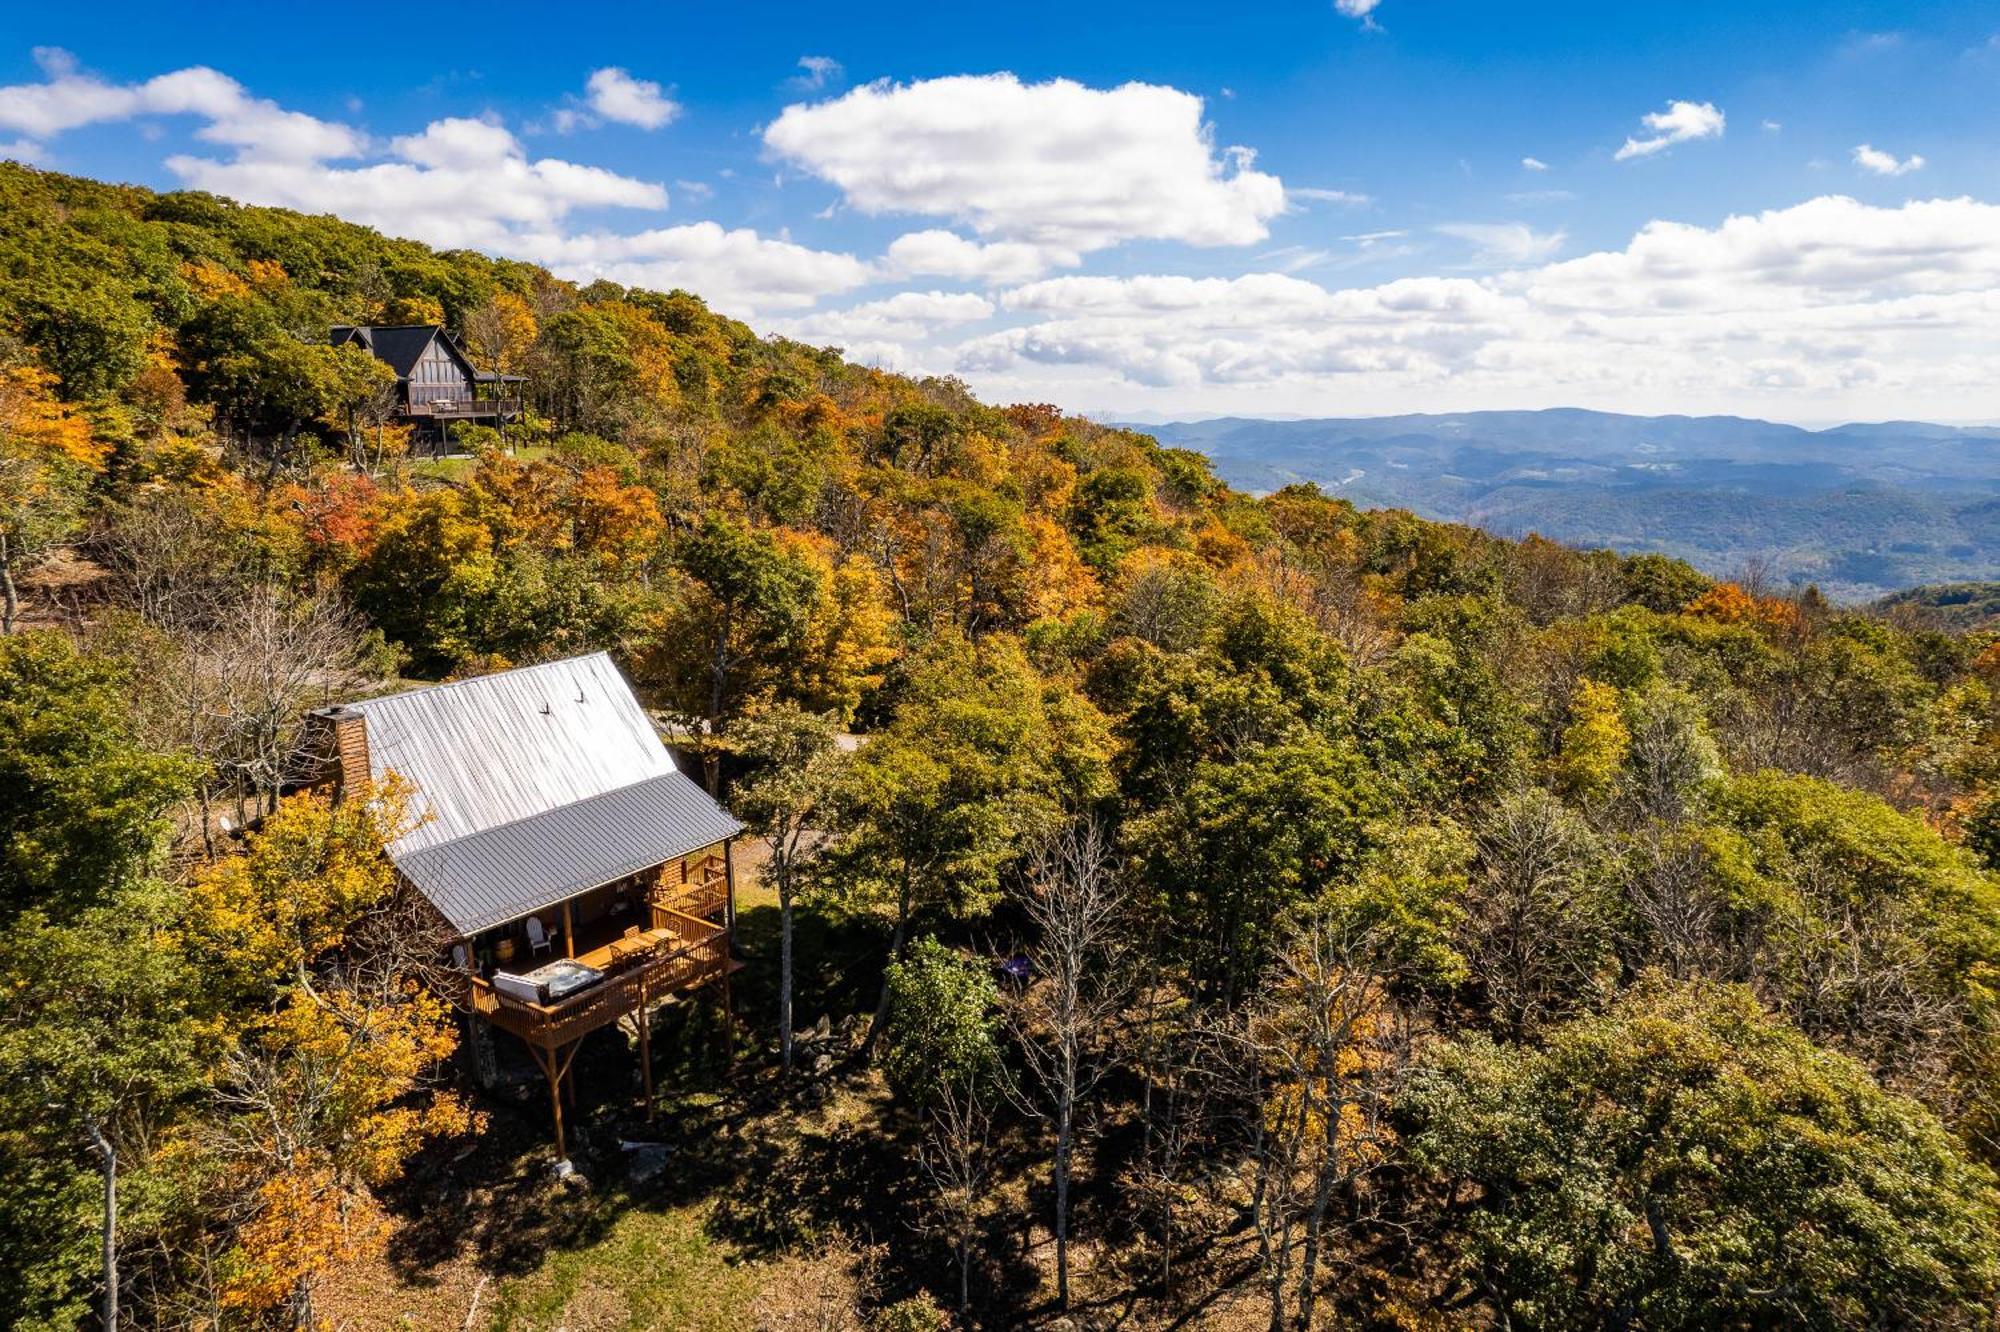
{"x": 343, "y": 751}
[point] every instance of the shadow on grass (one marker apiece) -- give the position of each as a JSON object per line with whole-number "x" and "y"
{"x": 773, "y": 1166}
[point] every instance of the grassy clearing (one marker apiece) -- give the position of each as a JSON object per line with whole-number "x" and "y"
{"x": 654, "y": 1269}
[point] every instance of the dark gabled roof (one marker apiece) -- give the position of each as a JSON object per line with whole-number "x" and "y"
{"x": 501, "y": 874}
{"x": 401, "y": 346}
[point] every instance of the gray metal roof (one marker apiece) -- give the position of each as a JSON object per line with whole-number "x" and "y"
{"x": 496, "y": 748}
{"x": 532, "y": 785}
{"x": 519, "y": 868}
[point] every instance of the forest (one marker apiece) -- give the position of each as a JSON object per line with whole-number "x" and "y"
{"x": 1404, "y": 927}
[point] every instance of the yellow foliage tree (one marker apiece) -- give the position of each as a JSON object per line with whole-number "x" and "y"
{"x": 1595, "y": 742}
{"x": 318, "y": 962}
{"x": 48, "y": 456}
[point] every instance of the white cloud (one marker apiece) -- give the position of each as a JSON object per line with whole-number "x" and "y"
{"x": 1506, "y": 242}
{"x": 738, "y": 271}
{"x": 939, "y": 253}
{"x": 897, "y": 324}
{"x": 1681, "y": 122}
{"x": 458, "y": 182}
{"x": 1058, "y": 165}
{"x": 616, "y": 95}
{"x": 1877, "y": 162}
{"x": 21, "y": 150}
{"x": 70, "y": 98}
{"x": 818, "y": 71}
{"x": 1829, "y": 307}
{"x": 1356, "y": 9}
{"x": 1347, "y": 198}
{"x": 1534, "y": 164}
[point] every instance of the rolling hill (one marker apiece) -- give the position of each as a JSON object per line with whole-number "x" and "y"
{"x": 1861, "y": 509}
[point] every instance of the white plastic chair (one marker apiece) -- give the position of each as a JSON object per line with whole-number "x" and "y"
{"x": 538, "y": 938}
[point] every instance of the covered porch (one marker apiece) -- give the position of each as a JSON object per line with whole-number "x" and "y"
{"x": 616, "y": 951}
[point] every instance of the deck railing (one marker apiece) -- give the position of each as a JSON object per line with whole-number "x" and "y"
{"x": 705, "y": 893}
{"x": 697, "y": 952}
{"x": 462, "y": 406}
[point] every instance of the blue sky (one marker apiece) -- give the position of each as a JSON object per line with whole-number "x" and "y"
{"x": 1170, "y": 209}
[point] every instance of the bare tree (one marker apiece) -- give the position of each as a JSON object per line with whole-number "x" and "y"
{"x": 1321, "y": 1040}
{"x": 1074, "y": 903}
{"x": 956, "y": 1160}
{"x": 1536, "y": 932}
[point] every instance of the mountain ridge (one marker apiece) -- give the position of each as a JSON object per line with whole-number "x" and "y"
{"x": 1864, "y": 509}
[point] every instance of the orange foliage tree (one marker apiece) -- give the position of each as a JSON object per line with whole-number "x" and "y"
{"x": 47, "y": 459}
{"x": 323, "y": 974}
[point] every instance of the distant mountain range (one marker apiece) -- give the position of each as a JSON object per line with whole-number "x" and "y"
{"x": 1862, "y": 510}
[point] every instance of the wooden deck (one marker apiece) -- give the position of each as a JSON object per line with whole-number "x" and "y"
{"x": 681, "y": 953}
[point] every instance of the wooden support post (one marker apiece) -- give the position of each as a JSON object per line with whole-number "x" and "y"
{"x": 553, "y": 1069}
{"x": 728, "y": 1022}
{"x": 729, "y": 878}
{"x": 646, "y": 1046}
{"x": 569, "y": 930}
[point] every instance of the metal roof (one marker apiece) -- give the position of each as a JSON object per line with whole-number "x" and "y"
{"x": 519, "y": 868}
{"x": 533, "y": 785}
{"x": 496, "y": 748}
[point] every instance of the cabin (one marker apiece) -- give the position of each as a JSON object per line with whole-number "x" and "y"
{"x": 579, "y": 876}
{"x": 437, "y": 384}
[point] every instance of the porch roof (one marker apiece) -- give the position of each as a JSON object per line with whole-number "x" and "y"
{"x": 506, "y": 872}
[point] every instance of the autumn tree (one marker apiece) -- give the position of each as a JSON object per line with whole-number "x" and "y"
{"x": 788, "y": 799}
{"x": 1685, "y": 1161}
{"x": 307, "y": 942}
{"x": 48, "y": 457}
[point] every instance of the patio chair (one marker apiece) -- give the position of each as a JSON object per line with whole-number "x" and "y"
{"x": 538, "y": 938}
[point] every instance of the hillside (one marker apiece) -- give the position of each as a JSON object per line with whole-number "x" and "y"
{"x": 1858, "y": 509}
{"x": 1159, "y": 904}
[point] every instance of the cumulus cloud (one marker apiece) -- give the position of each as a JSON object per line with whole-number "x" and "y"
{"x": 737, "y": 270}
{"x": 457, "y": 182}
{"x": 940, "y": 253}
{"x": 1876, "y": 162}
{"x": 1830, "y": 302}
{"x": 1534, "y": 164}
{"x": 616, "y": 95}
{"x": 1506, "y": 242}
{"x": 69, "y": 98}
{"x": 1057, "y": 165}
{"x": 1681, "y": 122}
{"x": 891, "y": 329}
{"x": 1357, "y": 9}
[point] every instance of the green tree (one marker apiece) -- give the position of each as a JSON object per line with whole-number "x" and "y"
{"x": 980, "y": 756}
{"x": 98, "y": 1039}
{"x": 1233, "y": 853}
{"x": 943, "y": 1030}
{"x": 83, "y": 803}
{"x": 1684, "y": 1161}
{"x": 797, "y": 767}
{"x": 740, "y": 612}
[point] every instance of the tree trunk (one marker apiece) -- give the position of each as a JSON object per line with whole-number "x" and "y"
{"x": 785, "y": 968}
{"x": 107, "y": 1156}
{"x": 895, "y": 955}
{"x": 12, "y": 608}
{"x": 1064, "y": 1132}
